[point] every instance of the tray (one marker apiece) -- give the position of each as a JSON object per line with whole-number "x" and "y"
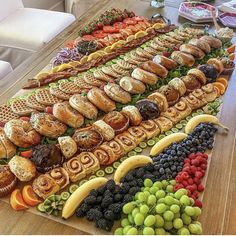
{"x": 228, "y": 19}
{"x": 197, "y": 12}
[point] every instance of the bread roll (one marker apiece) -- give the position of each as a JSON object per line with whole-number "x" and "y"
{"x": 217, "y": 64}
{"x": 68, "y": 115}
{"x": 144, "y": 76}
{"x": 203, "y": 45}
{"x": 133, "y": 113}
{"x": 132, "y": 85}
{"x": 154, "y": 68}
{"x": 182, "y": 58}
{"x": 7, "y": 148}
{"x": 106, "y": 130}
{"x": 165, "y": 61}
{"x": 212, "y": 41}
{"x": 193, "y": 50}
{"x": 116, "y": 93}
{"x": 68, "y": 146}
{"x": 83, "y": 106}
{"x": 160, "y": 100}
{"x": 100, "y": 100}
{"x": 198, "y": 74}
{"x": 179, "y": 85}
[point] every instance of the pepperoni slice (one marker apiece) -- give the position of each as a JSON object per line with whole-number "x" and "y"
{"x": 130, "y": 21}
{"x": 110, "y": 29}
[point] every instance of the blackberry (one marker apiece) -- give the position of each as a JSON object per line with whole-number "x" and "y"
{"x": 139, "y": 182}
{"x": 99, "y": 199}
{"x": 85, "y": 207}
{"x": 115, "y": 207}
{"x": 125, "y": 188}
{"x": 80, "y": 212}
{"x": 90, "y": 200}
{"x": 106, "y": 202}
{"x": 101, "y": 189}
{"x": 104, "y": 224}
{"x": 149, "y": 167}
{"x": 107, "y": 193}
{"x": 111, "y": 185}
{"x": 94, "y": 215}
{"x": 132, "y": 183}
{"x": 128, "y": 178}
{"x": 118, "y": 197}
{"x": 127, "y": 198}
{"x": 133, "y": 190}
{"x": 93, "y": 193}
{"x": 140, "y": 172}
{"x": 117, "y": 189}
{"x": 109, "y": 215}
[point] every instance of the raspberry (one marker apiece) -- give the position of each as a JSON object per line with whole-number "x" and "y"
{"x": 178, "y": 179}
{"x": 200, "y": 188}
{"x": 194, "y": 186}
{"x": 190, "y": 181}
{"x": 198, "y": 174}
{"x": 196, "y": 180}
{"x": 195, "y": 162}
{"x": 193, "y": 169}
{"x": 185, "y": 183}
{"x": 192, "y": 156}
{"x": 205, "y": 156}
{"x": 203, "y": 166}
{"x": 198, "y": 203}
{"x": 190, "y": 188}
{"x": 184, "y": 175}
{"x": 186, "y": 161}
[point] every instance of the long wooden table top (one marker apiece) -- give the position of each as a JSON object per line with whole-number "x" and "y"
{"x": 219, "y": 210}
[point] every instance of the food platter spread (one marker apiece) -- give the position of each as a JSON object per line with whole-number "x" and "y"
{"x": 119, "y": 131}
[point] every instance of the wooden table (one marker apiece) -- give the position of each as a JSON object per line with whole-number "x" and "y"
{"x": 219, "y": 210}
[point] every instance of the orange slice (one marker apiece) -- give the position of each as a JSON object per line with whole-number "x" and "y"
{"x": 220, "y": 86}
{"x": 223, "y": 81}
{"x": 218, "y": 91}
{"x": 231, "y": 49}
{"x": 16, "y": 201}
{"x": 231, "y": 56}
{"x": 29, "y": 196}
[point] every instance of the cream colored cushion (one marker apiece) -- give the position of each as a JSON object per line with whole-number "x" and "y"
{"x": 5, "y": 69}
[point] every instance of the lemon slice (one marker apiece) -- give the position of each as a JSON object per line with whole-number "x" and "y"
{"x": 116, "y": 45}
{"x": 55, "y": 69}
{"x": 107, "y": 49}
{"x": 158, "y": 25}
{"x": 148, "y": 29}
{"x": 41, "y": 75}
{"x": 93, "y": 55}
{"x": 64, "y": 66}
{"x": 140, "y": 34}
{"x": 122, "y": 42}
{"x": 74, "y": 63}
{"x": 130, "y": 38}
{"x": 84, "y": 59}
{"x": 101, "y": 53}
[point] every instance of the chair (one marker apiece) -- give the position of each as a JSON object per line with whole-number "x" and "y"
{"x": 26, "y": 30}
{"x": 5, "y": 69}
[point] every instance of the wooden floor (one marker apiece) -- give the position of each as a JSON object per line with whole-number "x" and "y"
{"x": 219, "y": 208}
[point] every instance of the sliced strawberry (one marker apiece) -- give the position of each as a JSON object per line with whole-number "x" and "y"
{"x": 48, "y": 110}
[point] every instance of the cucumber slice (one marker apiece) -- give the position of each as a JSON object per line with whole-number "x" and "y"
{"x": 179, "y": 126}
{"x": 53, "y": 85}
{"x": 156, "y": 139}
{"x": 188, "y": 118}
{"x": 109, "y": 63}
{"x": 131, "y": 153}
{"x": 100, "y": 173}
{"x": 62, "y": 81}
{"x": 138, "y": 149}
{"x": 161, "y": 136}
{"x": 47, "y": 202}
{"x": 55, "y": 212}
{"x": 93, "y": 69}
{"x": 175, "y": 130}
{"x": 194, "y": 114}
{"x": 65, "y": 195}
{"x": 143, "y": 145}
{"x": 168, "y": 132}
{"x": 109, "y": 170}
{"x": 116, "y": 164}
{"x": 92, "y": 177}
{"x": 51, "y": 198}
{"x": 200, "y": 111}
{"x": 121, "y": 56}
{"x": 114, "y": 61}
{"x": 72, "y": 188}
{"x": 41, "y": 208}
{"x": 183, "y": 122}
{"x": 82, "y": 182}
{"x": 123, "y": 158}
{"x": 58, "y": 197}
{"x": 151, "y": 142}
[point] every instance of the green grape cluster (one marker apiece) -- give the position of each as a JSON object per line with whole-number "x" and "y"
{"x": 157, "y": 210}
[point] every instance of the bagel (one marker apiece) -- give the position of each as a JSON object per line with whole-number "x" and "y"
{"x": 198, "y": 74}
{"x": 217, "y": 64}
{"x": 203, "y": 45}
{"x": 132, "y": 85}
{"x": 154, "y": 68}
{"x": 21, "y": 133}
{"x": 144, "y": 76}
{"x": 182, "y": 58}
{"x": 193, "y": 50}
{"x": 160, "y": 99}
{"x": 213, "y": 42}
{"x": 179, "y": 85}
{"x": 165, "y": 61}
{"x": 46, "y": 124}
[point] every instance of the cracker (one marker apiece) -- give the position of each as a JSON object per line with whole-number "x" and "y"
{"x": 70, "y": 87}
{"x": 91, "y": 80}
{"x": 99, "y": 74}
{"x": 32, "y": 102}
{"x": 44, "y": 97}
{"x": 54, "y": 90}
{"x": 19, "y": 106}
{"x": 6, "y": 113}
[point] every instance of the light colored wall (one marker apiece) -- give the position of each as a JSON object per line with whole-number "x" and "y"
{"x": 57, "y": 5}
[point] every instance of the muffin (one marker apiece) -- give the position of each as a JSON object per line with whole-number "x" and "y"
{"x": 172, "y": 95}
{"x": 7, "y": 180}
{"x": 191, "y": 83}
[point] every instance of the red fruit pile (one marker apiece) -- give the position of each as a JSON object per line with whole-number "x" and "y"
{"x": 190, "y": 177}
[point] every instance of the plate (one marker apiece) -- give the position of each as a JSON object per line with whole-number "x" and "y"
{"x": 228, "y": 19}
{"x": 197, "y": 12}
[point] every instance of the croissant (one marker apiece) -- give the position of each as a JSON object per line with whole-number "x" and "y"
{"x": 150, "y": 128}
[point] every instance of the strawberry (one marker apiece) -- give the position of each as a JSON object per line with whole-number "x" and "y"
{"x": 48, "y": 110}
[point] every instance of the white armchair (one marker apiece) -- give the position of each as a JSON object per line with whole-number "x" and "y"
{"x": 25, "y": 30}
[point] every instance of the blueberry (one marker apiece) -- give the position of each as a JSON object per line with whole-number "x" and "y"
{"x": 162, "y": 171}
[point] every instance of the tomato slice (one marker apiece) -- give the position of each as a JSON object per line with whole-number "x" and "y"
{"x": 120, "y": 25}
{"x": 99, "y": 34}
{"x": 110, "y": 29}
{"x": 130, "y": 21}
{"x": 27, "y": 154}
{"x": 87, "y": 37}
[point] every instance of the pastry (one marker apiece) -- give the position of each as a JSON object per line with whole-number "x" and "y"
{"x": 178, "y": 85}
{"x": 116, "y": 93}
{"x": 60, "y": 176}
{"x": 148, "y": 109}
{"x": 75, "y": 169}
{"x": 133, "y": 113}
{"x": 68, "y": 115}
{"x": 199, "y": 94}
{"x": 6, "y": 114}
{"x": 132, "y": 85}
{"x": 212, "y": 41}
{"x": 99, "y": 74}
{"x": 172, "y": 95}
{"x": 8, "y": 181}
{"x": 193, "y": 50}
{"x": 101, "y": 100}
{"x": 154, "y": 68}
{"x": 144, "y": 76}
{"x": 138, "y": 134}
{"x": 163, "y": 43}
{"x": 118, "y": 121}
{"x": 106, "y": 130}
{"x": 217, "y": 64}
{"x": 210, "y": 92}
{"x": 87, "y": 139}
{"x": 209, "y": 71}
{"x": 150, "y": 128}
{"x": 175, "y": 35}
{"x": 182, "y": 58}
{"x": 20, "y": 107}
{"x": 91, "y": 80}
{"x": 89, "y": 161}
{"x": 44, "y": 186}
{"x": 54, "y": 90}
{"x": 203, "y": 45}
{"x": 183, "y": 108}
{"x": 171, "y": 39}
{"x": 21, "y": 133}
{"x": 83, "y": 106}
{"x": 46, "y": 124}
{"x": 46, "y": 157}
{"x": 32, "y": 102}
{"x": 68, "y": 146}
{"x": 160, "y": 100}
{"x": 125, "y": 65}
{"x": 105, "y": 157}
{"x": 198, "y": 74}
{"x": 164, "y": 123}
{"x": 126, "y": 141}
{"x": 192, "y": 101}
{"x": 172, "y": 114}
{"x": 22, "y": 168}
{"x": 168, "y": 63}
{"x": 191, "y": 83}
{"x": 7, "y": 148}
{"x": 44, "y": 97}
{"x": 152, "y": 50}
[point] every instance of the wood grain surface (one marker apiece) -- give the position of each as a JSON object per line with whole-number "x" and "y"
{"x": 219, "y": 208}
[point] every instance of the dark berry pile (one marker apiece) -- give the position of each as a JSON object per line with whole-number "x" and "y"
{"x": 104, "y": 205}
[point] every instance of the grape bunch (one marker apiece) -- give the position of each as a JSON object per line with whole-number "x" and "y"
{"x": 158, "y": 210}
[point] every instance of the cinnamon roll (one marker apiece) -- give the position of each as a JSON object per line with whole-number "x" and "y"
{"x": 164, "y": 123}
{"x": 172, "y": 114}
{"x": 199, "y": 94}
{"x": 44, "y": 186}
{"x": 183, "y": 108}
{"x": 117, "y": 149}
{"x": 192, "y": 101}
{"x": 126, "y": 141}
{"x": 150, "y": 128}
{"x": 159, "y": 99}
{"x": 210, "y": 92}
{"x": 89, "y": 161}
{"x": 60, "y": 175}
{"x": 105, "y": 155}
{"x": 75, "y": 169}
{"x": 138, "y": 134}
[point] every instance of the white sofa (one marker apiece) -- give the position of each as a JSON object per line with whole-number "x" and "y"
{"x": 25, "y": 30}
{"x": 5, "y": 69}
